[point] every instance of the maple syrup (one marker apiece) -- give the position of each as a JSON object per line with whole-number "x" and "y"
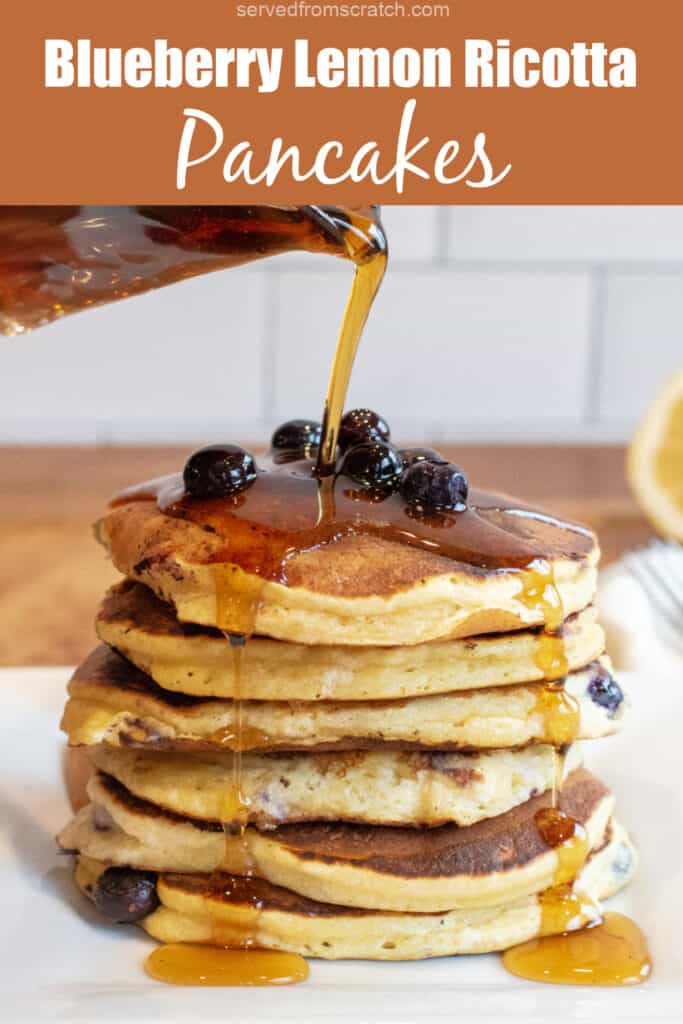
{"x": 567, "y": 837}
{"x": 613, "y": 952}
{"x": 240, "y": 737}
{"x": 565, "y": 909}
{"x": 194, "y": 964}
{"x": 550, "y": 656}
{"x": 560, "y": 713}
{"x": 234, "y": 808}
{"x": 561, "y": 718}
{"x": 370, "y": 268}
{"x": 289, "y": 510}
{"x": 540, "y": 591}
{"x": 576, "y": 944}
{"x": 237, "y": 810}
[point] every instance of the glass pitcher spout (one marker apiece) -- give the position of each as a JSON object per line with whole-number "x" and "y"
{"x": 57, "y": 260}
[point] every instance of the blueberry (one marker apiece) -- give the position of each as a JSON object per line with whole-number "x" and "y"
{"x": 124, "y": 895}
{"x": 218, "y": 470}
{"x": 605, "y": 691}
{"x": 297, "y": 434}
{"x": 412, "y": 455}
{"x": 360, "y": 426}
{"x": 435, "y": 485}
{"x": 376, "y": 465}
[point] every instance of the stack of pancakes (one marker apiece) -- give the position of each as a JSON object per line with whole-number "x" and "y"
{"x": 398, "y": 732}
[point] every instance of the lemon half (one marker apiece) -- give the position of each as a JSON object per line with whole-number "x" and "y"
{"x": 655, "y": 461}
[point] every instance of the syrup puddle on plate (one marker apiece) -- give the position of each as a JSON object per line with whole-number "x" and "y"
{"x": 611, "y": 953}
{"x": 194, "y": 964}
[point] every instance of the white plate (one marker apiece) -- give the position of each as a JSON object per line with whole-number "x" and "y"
{"x": 60, "y": 962}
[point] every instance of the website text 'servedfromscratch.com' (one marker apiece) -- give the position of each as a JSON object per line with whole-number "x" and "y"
{"x": 303, "y": 9}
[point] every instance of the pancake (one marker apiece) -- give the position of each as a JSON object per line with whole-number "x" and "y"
{"x": 370, "y": 787}
{"x": 201, "y": 908}
{"x": 197, "y": 660}
{"x": 112, "y": 702}
{"x": 356, "y": 590}
{"x": 487, "y": 864}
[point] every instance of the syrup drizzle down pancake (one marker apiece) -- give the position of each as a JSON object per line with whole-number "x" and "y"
{"x": 195, "y": 660}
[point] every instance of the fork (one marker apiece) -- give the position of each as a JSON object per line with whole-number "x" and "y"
{"x": 658, "y": 568}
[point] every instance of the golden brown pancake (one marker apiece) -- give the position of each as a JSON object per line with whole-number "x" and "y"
{"x": 379, "y": 787}
{"x": 492, "y": 862}
{"x": 358, "y": 590}
{"x": 211, "y": 909}
{"x": 197, "y": 660}
{"x": 111, "y": 701}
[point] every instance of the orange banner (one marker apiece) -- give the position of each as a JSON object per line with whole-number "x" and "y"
{"x": 496, "y": 101}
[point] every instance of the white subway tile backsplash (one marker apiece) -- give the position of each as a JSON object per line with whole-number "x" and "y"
{"x": 566, "y": 234}
{"x": 643, "y": 342}
{"x": 444, "y": 346}
{"x": 494, "y": 323}
{"x": 191, "y": 352}
{"x": 307, "y": 314}
{"x": 413, "y": 233}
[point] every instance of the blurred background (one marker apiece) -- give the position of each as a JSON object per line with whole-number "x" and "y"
{"x": 525, "y": 342}
{"x": 494, "y": 324}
